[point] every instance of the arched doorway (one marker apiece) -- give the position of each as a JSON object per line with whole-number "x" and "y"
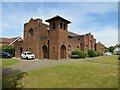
{"x": 45, "y": 52}
{"x": 21, "y": 50}
{"x": 63, "y": 52}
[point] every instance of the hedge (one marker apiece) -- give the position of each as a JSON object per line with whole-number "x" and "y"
{"x": 92, "y": 53}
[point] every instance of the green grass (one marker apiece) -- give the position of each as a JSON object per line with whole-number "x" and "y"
{"x": 77, "y": 75}
{"x": 73, "y": 75}
{"x": 8, "y": 62}
{"x": 105, "y": 60}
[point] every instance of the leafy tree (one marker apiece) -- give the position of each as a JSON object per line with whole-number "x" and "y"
{"x": 111, "y": 49}
{"x": 9, "y": 49}
{"x": 106, "y": 49}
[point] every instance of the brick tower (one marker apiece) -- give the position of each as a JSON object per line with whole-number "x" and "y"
{"x": 31, "y": 36}
{"x": 58, "y": 37}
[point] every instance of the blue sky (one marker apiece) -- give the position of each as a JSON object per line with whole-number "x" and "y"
{"x": 101, "y": 19}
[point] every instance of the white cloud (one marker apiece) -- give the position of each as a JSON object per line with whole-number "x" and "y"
{"x": 107, "y": 35}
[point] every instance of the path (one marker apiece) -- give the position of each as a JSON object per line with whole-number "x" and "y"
{"x": 27, "y": 65}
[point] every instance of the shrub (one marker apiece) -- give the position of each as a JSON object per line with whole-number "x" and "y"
{"x": 98, "y": 54}
{"x": 91, "y": 53}
{"x": 80, "y": 54}
{"x": 118, "y": 57}
{"x": 17, "y": 81}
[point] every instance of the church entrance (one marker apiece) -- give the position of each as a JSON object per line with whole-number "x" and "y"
{"x": 45, "y": 52}
{"x": 63, "y": 52}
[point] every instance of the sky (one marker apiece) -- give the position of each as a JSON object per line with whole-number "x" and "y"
{"x": 99, "y": 18}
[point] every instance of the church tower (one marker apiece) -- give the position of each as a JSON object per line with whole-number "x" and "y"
{"x": 58, "y": 37}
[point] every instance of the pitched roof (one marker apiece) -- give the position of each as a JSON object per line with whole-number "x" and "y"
{"x": 57, "y": 17}
{"x": 72, "y": 34}
{"x": 7, "y": 40}
{"x": 99, "y": 42}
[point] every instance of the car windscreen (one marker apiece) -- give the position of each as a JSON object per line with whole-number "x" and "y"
{"x": 29, "y": 53}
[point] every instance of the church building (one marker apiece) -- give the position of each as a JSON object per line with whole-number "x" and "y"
{"x": 54, "y": 41}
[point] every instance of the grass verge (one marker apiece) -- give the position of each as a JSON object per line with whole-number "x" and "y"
{"x": 105, "y": 60}
{"x": 8, "y": 62}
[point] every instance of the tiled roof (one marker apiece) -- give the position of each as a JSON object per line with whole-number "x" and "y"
{"x": 57, "y": 16}
{"x": 7, "y": 40}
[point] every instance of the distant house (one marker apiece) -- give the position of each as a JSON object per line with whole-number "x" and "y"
{"x": 117, "y": 49}
{"x": 9, "y": 41}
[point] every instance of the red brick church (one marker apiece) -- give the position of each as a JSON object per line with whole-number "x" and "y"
{"x": 54, "y": 41}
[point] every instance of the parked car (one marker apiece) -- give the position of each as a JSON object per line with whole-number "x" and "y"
{"x": 5, "y": 55}
{"x": 27, "y": 55}
{"x": 108, "y": 53}
{"x": 74, "y": 56}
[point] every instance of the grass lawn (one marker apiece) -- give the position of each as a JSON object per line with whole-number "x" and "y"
{"x": 105, "y": 60}
{"x": 73, "y": 75}
{"x": 8, "y": 62}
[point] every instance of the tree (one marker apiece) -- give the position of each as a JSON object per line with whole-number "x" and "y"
{"x": 106, "y": 49}
{"x": 9, "y": 49}
{"x": 111, "y": 49}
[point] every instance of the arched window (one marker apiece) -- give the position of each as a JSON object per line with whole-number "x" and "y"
{"x": 53, "y": 49}
{"x": 69, "y": 48}
{"x": 86, "y": 47}
{"x": 60, "y": 25}
{"x": 20, "y": 50}
{"x": 64, "y": 26}
{"x": 31, "y": 32}
{"x": 53, "y": 25}
{"x": 81, "y": 46}
{"x": 77, "y": 47}
{"x": 90, "y": 44}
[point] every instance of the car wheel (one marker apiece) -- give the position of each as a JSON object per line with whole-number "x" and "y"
{"x": 21, "y": 57}
{"x": 27, "y": 58}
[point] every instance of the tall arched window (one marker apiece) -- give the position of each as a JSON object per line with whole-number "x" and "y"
{"x": 86, "y": 47}
{"x": 53, "y": 49}
{"x": 31, "y": 32}
{"x": 53, "y": 25}
{"x": 64, "y": 26}
{"x": 60, "y": 25}
{"x": 21, "y": 50}
{"x": 90, "y": 44}
{"x": 69, "y": 48}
